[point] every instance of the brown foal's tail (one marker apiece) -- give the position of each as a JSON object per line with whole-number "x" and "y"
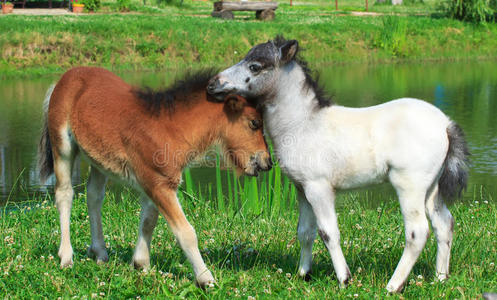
{"x": 454, "y": 177}
{"x": 45, "y": 158}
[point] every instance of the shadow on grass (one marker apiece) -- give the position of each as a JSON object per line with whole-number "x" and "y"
{"x": 242, "y": 256}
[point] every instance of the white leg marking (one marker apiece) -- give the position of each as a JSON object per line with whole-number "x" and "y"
{"x": 169, "y": 206}
{"x": 322, "y": 199}
{"x": 306, "y": 233}
{"x": 443, "y": 226}
{"x": 187, "y": 238}
{"x": 148, "y": 220}
{"x": 63, "y": 201}
{"x": 94, "y": 199}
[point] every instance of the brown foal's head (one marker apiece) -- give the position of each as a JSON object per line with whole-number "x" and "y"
{"x": 243, "y": 136}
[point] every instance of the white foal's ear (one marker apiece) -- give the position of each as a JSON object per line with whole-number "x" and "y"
{"x": 288, "y": 51}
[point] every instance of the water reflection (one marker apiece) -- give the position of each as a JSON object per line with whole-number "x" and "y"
{"x": 464, "y": 91}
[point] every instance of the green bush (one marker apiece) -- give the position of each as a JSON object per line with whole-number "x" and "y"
{"x": 478, "y": 11}
{"x": 124, "y": 5}
{"x": 92, "y": 5}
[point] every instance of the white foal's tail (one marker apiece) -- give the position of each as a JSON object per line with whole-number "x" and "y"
{"x": 45, "y": 158}
{"x": 456, "y": 167}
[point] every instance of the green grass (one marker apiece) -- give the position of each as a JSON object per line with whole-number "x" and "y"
{"x": 178, "y": 37}
{"x": 250, "y": 246}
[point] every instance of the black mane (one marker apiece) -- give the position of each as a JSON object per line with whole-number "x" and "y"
{"x": 323, "y": 99}
{"x": 167, "y": 98}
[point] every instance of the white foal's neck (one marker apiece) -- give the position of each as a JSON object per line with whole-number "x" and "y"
{"x": 293, "y": 103}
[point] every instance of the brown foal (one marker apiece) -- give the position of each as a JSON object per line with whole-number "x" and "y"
{"x": 144, "y": 138}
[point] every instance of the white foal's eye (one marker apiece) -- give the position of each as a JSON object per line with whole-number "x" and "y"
{"x": 254, "y": 68}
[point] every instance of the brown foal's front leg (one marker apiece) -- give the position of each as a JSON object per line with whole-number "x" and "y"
{"x": 167, "y": 202}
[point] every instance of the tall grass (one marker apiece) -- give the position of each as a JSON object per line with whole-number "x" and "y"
{"x": 393, "y": 36}
{"x": 270, "y": 194}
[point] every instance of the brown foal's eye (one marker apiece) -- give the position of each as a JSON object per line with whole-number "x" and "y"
{"x": 255, "y": 124}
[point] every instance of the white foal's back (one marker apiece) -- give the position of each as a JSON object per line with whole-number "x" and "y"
{"x": 353, "y": 147}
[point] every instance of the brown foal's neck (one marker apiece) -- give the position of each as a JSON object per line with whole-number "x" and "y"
{"x": 199, "y": 124}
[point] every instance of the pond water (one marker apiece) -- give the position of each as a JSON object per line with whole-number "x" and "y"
{"x": 466, "y": 91}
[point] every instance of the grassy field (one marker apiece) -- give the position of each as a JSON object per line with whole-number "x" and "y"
{"x": 173, "y": 37}
{"x": 249, "y": 245}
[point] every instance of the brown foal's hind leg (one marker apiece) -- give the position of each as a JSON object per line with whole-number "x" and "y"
{"x": 94, "y": 198}
{"x": 170, "y": 208}
{"x": 148, "y": 220}
{"x": 64, "y": 154}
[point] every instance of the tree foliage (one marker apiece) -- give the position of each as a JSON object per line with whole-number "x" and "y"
{"x": 477, "y": 11}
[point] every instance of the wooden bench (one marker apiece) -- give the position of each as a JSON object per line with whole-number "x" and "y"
{"x": 263, "y": 10}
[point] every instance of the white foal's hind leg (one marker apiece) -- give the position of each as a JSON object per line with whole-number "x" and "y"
{"x": 322, "y": 199}
{"x": 306, "y": 233}
{"x": 94, "y": 198}
{"x": 148, "y": 220}
{"x": 412, "y": 205}
{"x": 443, "y": 226}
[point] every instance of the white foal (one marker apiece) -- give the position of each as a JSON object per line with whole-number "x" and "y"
{"x": 325, "y": 147}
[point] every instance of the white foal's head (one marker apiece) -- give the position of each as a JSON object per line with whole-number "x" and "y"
{"x": 257, "y": 75}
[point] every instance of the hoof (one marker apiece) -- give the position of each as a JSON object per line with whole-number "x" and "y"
{"x": 205, "y": 280}
{"x": 141, "y": 263}
{"x": 392, "y": 289}
{"x": 99, "y": 255}
{"x": 442, "y": 277}
{"x": 345, "y": 281}
{"x": 305, "y": 275}
{"x": 65, "y": 255}
{"x": 66, "y": 262}
{"x": 490, "y": 296}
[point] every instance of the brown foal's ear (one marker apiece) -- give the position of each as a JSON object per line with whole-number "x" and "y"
{"x": 235, "y": 103}
{"x": 288, "y": 51}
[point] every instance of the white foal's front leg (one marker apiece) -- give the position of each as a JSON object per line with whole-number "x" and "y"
{"x": 306, "y": 233}
{"x": 443, "y": 226}
{"x": 412, "y": 204}
{"x": 148, "y": 220}
{"x": 321, "y": 197}
{"x": 94, "y": 199}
